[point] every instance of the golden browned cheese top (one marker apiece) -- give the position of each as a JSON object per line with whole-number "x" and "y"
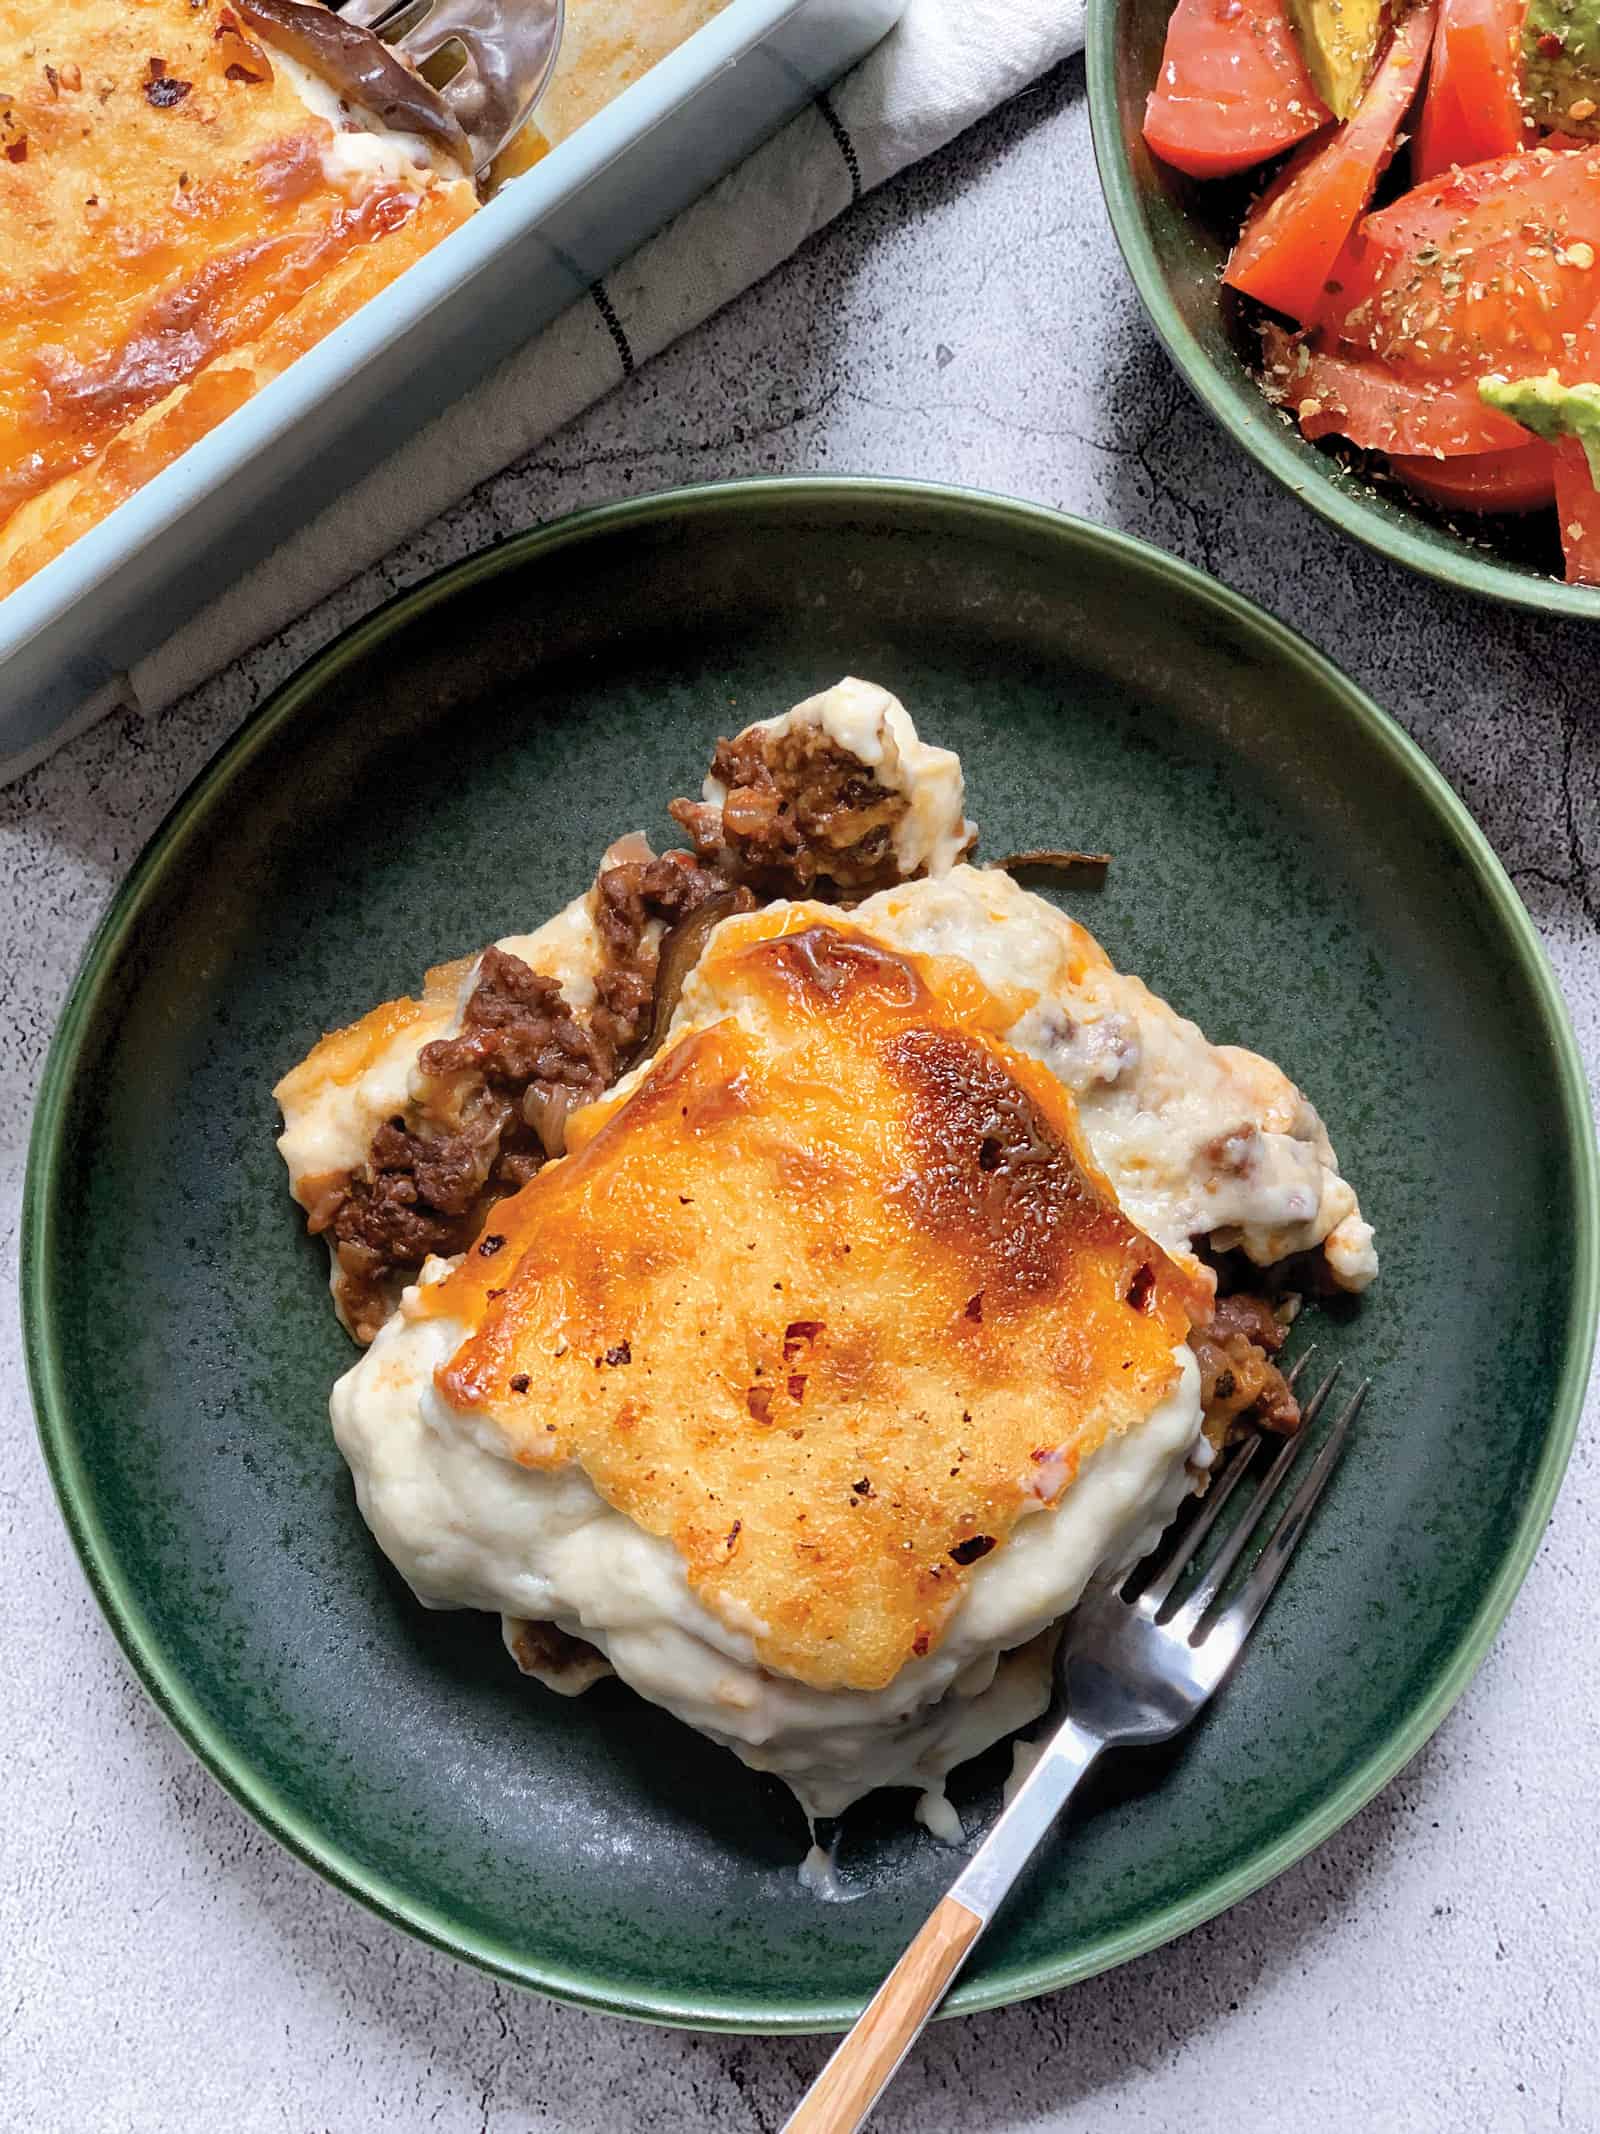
{"x": 830, "y": 1299}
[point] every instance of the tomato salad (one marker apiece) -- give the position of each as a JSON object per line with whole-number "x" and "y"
{"x": 1454, "y": 329}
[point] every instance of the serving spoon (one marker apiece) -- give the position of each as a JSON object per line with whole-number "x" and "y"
{"x": 464, "y": 73}
{"x": 1137, "y": 1662}
{"x": 507, "y": 48}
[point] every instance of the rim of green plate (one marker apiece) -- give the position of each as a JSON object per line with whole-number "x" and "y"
{"x": 1305, "y": 473}
{"x": 164, "y": 1681}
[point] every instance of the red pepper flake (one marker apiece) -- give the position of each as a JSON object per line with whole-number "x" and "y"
{"x": 732, "y": 1534}
{"x": 974, "y": 1310}
{"x": 620, "y": 1352}
{"x": 1551, "y": 44}
{"x": 919, "y": 1644}
{"x": 489, "y": 1246}
{"x": 863, "y": 1488}
{"x": 972, "y": 1548}
{"x": 17, "y": 150}
{"x": 798, "y": 1335}
{"x": 797, "y": 1387}
{"x": 758, "y": 1399}
{"x": 519, "y": 1384}
{"x": 54, "y": 79}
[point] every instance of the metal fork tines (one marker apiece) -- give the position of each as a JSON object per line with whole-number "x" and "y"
{"x": 1155, "y": 1592}
{"x": 1194, "y": 1629}
{"x": 505, "y": 52}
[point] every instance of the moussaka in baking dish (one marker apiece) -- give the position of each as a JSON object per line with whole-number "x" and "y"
{"x": 184, "y": 207}
{"x": 194, "y": 192}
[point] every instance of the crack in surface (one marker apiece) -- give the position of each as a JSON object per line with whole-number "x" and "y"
{"x": 736, "y": 434}
{"x": 1582, "y": 886}
{"x": 1161, "y": 486}
{"x": 924, "y": 410}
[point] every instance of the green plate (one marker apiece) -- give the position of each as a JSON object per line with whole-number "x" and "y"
{"x": 1175, "y": 235}
{"x": 1288, "y": 868}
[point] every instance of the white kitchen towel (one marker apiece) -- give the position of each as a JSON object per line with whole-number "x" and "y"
{"x": 946, "y": 64}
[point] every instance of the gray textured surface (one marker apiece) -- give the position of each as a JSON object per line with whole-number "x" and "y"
{"x": 1433, "y": 1965}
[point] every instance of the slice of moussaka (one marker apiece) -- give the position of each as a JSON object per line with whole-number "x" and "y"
{"x": 796, "y": 1268}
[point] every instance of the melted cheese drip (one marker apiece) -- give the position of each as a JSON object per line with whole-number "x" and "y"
{"x": 363, "y": 151}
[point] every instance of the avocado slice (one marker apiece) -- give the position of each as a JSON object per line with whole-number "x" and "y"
{"x": 1338, "y": 40}
{"x": 1561, "y": 65}
{"x": 1550, "y": 410}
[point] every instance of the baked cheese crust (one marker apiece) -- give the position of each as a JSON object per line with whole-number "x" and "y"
{"x": 833, "y": 1351}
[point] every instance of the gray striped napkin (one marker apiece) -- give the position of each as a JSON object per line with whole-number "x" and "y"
{"x": 946, "y": 65}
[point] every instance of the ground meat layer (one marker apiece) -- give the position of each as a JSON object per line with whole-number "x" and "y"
{"x": 499, "y": 1093}
{"x": 563, "y": 1663}
{"x": 802, "y": 817}
{"x": 1239, "y": 1381}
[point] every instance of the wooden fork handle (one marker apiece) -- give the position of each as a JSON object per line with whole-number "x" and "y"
{"x": 854, "y": 2079}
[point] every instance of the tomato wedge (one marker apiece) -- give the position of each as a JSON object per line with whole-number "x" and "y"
{"x": 1578, "y": 508}
{"x": 1522, "y": 479}
{"x": 1490, "y": 268}
{"x": 1473, "y": 109}
{"x": 1378, "y": 407}
{"x": 1287, "y": 249}
{"x": 1233, "y": 89}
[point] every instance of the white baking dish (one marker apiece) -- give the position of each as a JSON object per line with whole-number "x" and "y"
{"x": 69, "y": 632}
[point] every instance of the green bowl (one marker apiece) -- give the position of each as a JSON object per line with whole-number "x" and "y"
{"x": 1175, "y": 235}
{"x": 1288, "y": 867}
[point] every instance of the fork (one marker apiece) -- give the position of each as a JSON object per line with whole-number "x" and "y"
{"x": 507, "y": 52}
{"x": 1138, "y": 1660}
